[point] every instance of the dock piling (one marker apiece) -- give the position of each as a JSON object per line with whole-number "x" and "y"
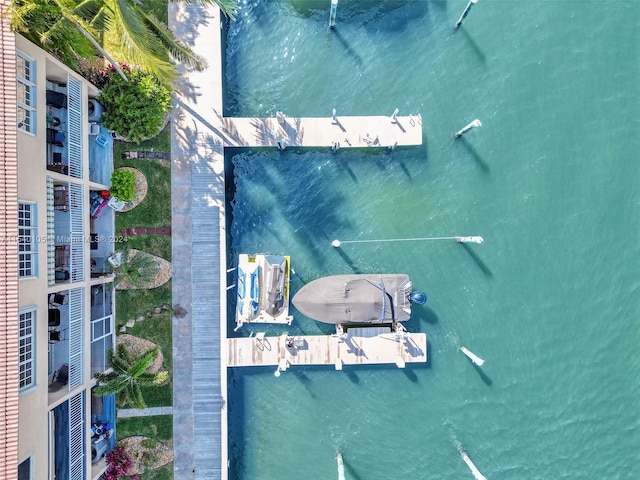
{"x": 332, "y": 13}
{"x": 394, "y": 115}
{"x": 340, "y": 465}
{"x": 474, "y": 470}
{"x": 472, "y": 356}
{"x": 474, "y": 124}
{"x": 465, "y": 12}
{"x": 334, "y": 116}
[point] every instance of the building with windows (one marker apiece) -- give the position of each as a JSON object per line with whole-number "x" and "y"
{"x": 57, "y": 233}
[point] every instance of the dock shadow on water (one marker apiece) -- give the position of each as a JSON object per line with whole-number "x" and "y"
{"x": 485, "y": 378}
{"x": 304, "y": 380}
{"x": 484, "y": 166}
{"x": 348, "y": 48}
{"x": 350, "y": 470}
{"x": 344, "y": 164}
{"x": 347, "y": 260}
{"x": 483, "y": 266}
{"x": 410, "y": 374}
{"x": 351, "y": 375}
{"x": 476, "y": 48}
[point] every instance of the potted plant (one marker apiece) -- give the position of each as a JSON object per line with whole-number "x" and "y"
{"x": 135, "y": 109}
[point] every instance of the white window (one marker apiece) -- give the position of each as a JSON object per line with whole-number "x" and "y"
{"x": 27, "y": 240}
{"x": 27, "y": 349}
{"x": 26, "y": 78}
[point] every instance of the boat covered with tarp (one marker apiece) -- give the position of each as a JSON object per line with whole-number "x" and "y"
{"x": 263, "y": 289}
{"x": 358, "y": 299}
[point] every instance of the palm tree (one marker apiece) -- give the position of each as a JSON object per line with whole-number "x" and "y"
{"x": 138, "y": 36}
{"x": 128, "y": 374}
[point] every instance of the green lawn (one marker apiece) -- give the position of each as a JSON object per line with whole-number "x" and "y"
{"x": 153, "y": 211}
{"x": 133, "y": 303}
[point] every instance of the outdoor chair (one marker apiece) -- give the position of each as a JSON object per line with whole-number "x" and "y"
{"x": 56, "y": 336}
{"x": 60, "y": 378}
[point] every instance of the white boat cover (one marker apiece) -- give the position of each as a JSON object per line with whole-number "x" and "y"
{"x": 344, "y": 299}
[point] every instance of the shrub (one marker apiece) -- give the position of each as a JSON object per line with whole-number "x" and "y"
{"x": 119, "y": 464}
{"x": 135, "y": 109}
{"x": 123, "y": 185}
{"x": 139, "y": 269}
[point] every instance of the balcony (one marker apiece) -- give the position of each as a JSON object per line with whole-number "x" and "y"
{"x": 65, "y": 232}
{"x": 100, "y": 155}
{"x": 65, "y": 342}
{"x": 102, "y": 227}
{"x": 103, "y": 431}
{"x": 67, "y": 433}
{"x": 102, "y": 328}
{"x": 65, "y": 127}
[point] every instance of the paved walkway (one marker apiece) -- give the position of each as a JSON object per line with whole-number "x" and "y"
{"x": 198, "y": 251}
{"x": 144, "y": 412}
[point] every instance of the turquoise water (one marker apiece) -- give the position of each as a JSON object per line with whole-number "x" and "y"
{"x": 551, "y": 181}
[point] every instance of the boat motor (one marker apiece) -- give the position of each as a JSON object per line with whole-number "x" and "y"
{"x": 418, "y": 297}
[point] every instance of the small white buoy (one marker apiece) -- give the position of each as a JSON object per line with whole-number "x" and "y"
{"x": 277, "y": 372}
{"x": 336, "y": 243}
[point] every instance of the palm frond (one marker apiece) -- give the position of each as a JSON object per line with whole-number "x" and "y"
{"x": 229, "y": 7}
{"x": 138, "y": 45}
{"x": 178, "y": 50}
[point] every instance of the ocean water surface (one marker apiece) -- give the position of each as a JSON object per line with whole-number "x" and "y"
{"x": 550, "y": 300}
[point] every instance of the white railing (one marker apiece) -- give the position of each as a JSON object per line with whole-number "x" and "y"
{"x": 76, "y": 437}
{"x": 76, "y": 338}
{"x": 76, "y": 209}
{"x": 75, "y": 126}
{"x": 51, "y": 232}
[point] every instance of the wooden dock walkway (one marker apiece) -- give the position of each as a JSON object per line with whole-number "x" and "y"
{"x": 358, "y": 347}
{"x": 347, "y": 132}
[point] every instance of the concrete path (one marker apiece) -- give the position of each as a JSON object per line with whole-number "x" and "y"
{"x": 144, "y": 412}
{"x": 198, "y": 253}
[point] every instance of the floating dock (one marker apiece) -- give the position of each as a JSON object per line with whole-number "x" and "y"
{"x": 359, "y": 346}
{"x": 345, "y": 132}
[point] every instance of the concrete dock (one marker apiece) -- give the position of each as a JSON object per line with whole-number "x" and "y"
{"x": 347, "y": 132}
{"x": 366, "y": 346}
{"x": 201, "y": 350}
